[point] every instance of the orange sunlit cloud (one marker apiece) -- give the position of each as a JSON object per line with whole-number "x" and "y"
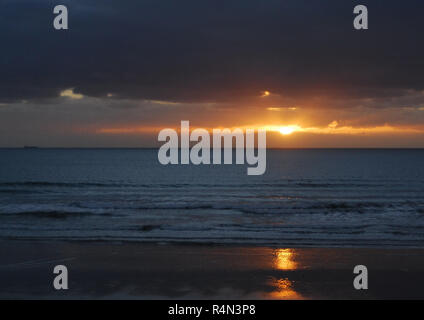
{"x": 334, "y": 129}
{"x": 288, "y": 124}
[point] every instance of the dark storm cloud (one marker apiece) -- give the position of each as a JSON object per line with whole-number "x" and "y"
{"x": 210, "y": 50}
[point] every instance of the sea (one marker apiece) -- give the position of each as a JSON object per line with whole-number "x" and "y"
{"x": 306, "y": 198}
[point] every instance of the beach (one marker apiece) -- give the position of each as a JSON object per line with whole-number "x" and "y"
{"x": 179, "y": 271}
{"x": 127, "y": 227}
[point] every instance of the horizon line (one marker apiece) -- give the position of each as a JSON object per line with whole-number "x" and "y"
{"x": 272, "y": 148}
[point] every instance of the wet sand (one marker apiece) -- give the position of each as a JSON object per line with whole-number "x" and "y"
{"x": 168, "y": 271}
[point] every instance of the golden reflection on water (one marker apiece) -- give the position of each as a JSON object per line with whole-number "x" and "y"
{"x": 284, "y": 290}
{"x": 284, "y": 259}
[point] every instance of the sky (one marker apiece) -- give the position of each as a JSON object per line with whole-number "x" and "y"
{"x": 124, "y": 70}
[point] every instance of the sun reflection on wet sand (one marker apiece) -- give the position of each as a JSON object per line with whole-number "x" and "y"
{"x": 284, "y": 259}
{"x": 283, "y": 290}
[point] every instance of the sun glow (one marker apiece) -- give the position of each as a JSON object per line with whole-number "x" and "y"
{"x": 287, "y": 130}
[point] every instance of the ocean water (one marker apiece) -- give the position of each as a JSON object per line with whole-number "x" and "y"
{"x": 319, "y": 198}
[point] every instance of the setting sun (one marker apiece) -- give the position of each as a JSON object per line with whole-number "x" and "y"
{"x": 287, "y": 130}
